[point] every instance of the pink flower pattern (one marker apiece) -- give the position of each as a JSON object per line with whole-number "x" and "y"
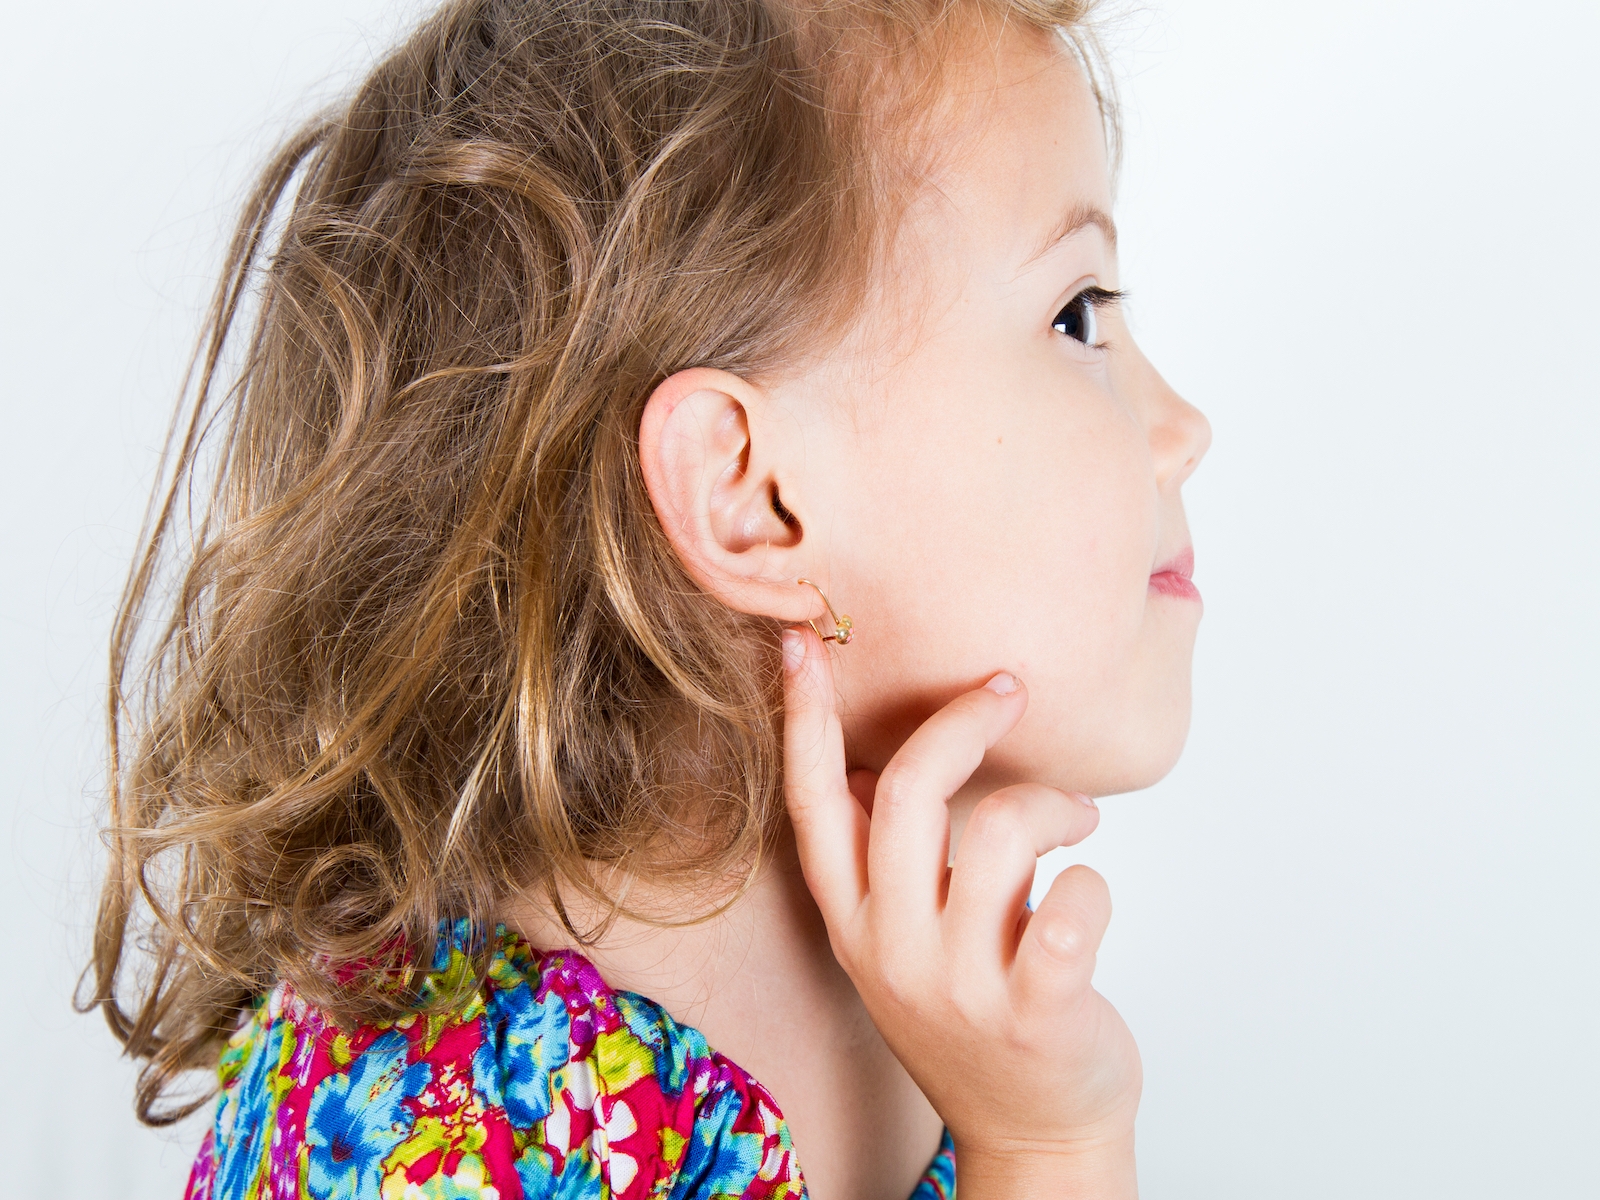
{"x": 545, "y": 1083}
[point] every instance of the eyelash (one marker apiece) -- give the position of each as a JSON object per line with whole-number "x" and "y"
{"x": 1076, "y": 319}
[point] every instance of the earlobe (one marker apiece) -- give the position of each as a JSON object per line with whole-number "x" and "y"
{"x": 712, "y": 453}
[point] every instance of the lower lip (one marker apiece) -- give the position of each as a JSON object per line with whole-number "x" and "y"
{"x": 1170, "y": 583}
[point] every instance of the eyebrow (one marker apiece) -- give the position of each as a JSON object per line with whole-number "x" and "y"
{"x": 1078, "y": 217}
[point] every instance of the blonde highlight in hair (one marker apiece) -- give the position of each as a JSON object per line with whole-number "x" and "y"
{"x": 405, "y": 637}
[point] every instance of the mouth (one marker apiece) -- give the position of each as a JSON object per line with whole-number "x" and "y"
{"x": 1172, "y": 578}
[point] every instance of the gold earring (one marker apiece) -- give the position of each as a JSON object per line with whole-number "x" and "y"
{"x": 843, "y": 627}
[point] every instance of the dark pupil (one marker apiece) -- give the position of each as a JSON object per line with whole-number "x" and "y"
{"x": 1070, "y": 321}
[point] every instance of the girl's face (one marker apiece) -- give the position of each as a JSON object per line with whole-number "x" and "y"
{"x": 990, "y": 475}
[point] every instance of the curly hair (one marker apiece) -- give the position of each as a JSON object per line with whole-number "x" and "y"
{"x": 404, "y": 637}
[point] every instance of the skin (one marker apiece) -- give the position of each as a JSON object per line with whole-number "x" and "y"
{"x": 988, "y": 497}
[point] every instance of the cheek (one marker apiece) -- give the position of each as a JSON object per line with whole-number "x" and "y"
{"x": 1017, "y": 537}
{"x": 1077, "y": 562}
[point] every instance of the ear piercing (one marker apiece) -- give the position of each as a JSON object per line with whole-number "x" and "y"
{"x": 843, "y": 628}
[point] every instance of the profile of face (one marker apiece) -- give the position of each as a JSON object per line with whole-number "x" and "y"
{"x": 986, "y": 476}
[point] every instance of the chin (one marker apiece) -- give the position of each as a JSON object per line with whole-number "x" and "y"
{"x": 1150, "y": 749}
{"x": 1123, "y": 753}
{"x": 1143, "y": 768}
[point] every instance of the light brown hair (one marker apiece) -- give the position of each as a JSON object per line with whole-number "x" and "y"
{"x": 405, "y": 636}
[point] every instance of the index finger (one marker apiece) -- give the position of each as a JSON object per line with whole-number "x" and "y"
{"x": 830, "y": 826}
{"x": 910, "y": 844}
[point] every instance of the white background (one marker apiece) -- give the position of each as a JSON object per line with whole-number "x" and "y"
{"x": 1357, "y": 928}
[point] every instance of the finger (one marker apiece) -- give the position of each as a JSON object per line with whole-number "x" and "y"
{"x": 995, "y": 862}
{"x": 830, "y": 827}
{"x": 1056, "y": 956}
{"x": 909, "y": 841}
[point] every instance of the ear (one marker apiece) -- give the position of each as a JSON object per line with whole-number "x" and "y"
{"x": 717, "y": 459}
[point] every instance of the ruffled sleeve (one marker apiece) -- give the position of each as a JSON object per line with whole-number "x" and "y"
{"x": 644, "y": 1107}
{"x": 545, "y": 1084}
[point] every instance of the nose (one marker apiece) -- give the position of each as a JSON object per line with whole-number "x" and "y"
{"x": 1179, "y": 433}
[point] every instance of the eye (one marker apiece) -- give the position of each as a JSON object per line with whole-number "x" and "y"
{"x": 1077, "y": 319}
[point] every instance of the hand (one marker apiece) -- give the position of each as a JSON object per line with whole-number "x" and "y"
{"x": 988, "y": 1007}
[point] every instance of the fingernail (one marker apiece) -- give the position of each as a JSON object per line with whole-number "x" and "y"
{"x": 1002, "y": 684}
{"x": 794, "y": 650}
{"x": 1082, "y": 799}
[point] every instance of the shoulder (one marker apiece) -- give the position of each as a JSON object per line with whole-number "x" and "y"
{"x": 544, "y": 1083}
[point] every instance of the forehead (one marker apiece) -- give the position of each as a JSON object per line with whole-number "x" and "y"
{"x": 1017, "y": 144}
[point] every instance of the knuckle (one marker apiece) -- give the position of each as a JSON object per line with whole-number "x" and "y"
{"x": 972, "y": 1005}
{"x": 976, "y": 703}
{"x": 965, "y": 721}
{"x": 1062, "y": 939}
{"x": 897, "y": 981}
{"x": 898, "y": 784}
{"x": 998, "y": 819}
{"x": 1044, "y": 794}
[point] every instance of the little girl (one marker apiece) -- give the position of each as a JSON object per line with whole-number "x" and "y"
{"x": 508, "y": 799}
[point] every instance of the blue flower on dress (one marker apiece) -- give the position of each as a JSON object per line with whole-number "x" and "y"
{"x": 527, "y": 1042}
{"x": 357, "y": 1117}
{"x": 244, "y": 1123}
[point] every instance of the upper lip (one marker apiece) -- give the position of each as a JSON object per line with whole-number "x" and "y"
{"x": 1181, "y": 563}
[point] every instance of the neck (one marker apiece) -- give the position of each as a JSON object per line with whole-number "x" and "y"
{"x": 760, "y": 981}
{"x": 701, "y": 971}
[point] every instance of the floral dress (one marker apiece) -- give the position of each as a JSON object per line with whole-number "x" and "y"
{"x": 546, "y": 1084}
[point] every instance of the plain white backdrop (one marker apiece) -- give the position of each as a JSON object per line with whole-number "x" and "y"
{"x": 1358, "y": 929}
